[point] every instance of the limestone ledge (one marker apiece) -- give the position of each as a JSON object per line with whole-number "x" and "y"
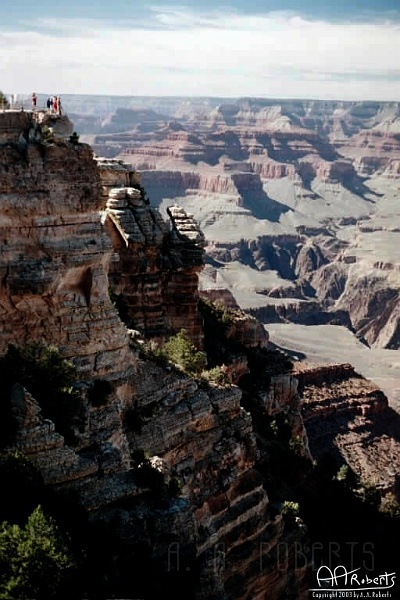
{"x": 136, "y": 222}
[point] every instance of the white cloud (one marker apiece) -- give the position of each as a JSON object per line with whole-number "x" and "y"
{"x": 182, "y": 53}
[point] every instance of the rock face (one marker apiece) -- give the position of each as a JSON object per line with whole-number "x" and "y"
{"x": 154, "y": 272}
{"x": 348, "y": 417}
{"x": 72, "y": 228}
{"x": 66, "y": 224}
{"x": 55, "y": 254}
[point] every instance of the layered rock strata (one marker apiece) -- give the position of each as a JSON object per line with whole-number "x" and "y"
{"x": 252, "y": 168}
{"x": 154, "y": 272}
{"x": 55, "y": 260}
{"x": 55, "y": 253}
{"x": 348, "y": 417}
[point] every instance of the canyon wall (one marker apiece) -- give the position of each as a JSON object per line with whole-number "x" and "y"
{"x": 67, "y": 225}
{"x": 174, "y": 473}
{"x": 55, "y": 253}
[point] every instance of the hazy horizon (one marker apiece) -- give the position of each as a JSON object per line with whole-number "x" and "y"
{"x": 231, "y": 49}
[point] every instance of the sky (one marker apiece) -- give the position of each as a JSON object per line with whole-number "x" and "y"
{"x": 330, "y": 50}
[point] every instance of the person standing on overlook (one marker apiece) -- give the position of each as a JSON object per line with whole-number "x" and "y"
{"x": 34, "y": 100}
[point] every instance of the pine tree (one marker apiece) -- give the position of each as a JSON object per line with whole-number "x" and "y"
{"x": 34, "y": 561}
{"x": 180, "y": 350}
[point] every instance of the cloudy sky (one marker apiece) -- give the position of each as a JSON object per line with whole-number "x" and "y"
{"x": 328, "y": 49}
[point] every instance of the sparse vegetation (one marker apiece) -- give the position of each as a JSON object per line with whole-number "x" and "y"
{"x": 47, "y": 135}
{"x": 347, "y": 476}
{"x": 216, "y": 375}
{"x": 180, "y": 351}
{"x": 221, "y": 349}
{"x": 74, "y": 138}
{"x": 290, "y": 511}
{"x": 152, "y": 351}
{"x": 390, "y": 506}
{"x": 217, "y": 320}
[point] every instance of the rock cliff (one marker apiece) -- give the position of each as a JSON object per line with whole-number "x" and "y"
{"x": 55, "y": 252}
{"x": 348, "y": 417}
{"x": 181, "y": 482}
{"x": 71, "y": 228}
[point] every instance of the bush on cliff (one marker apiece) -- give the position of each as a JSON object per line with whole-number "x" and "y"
{"x": 216, "y": 375}
{"x": 180, "y": 351}
{"x": 221, "y": 347}
{"x": 49, "y": 378}
{"x": 35, "y": 562}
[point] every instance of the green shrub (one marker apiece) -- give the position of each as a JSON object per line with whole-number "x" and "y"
{"x": 390, "y": 506}
{"x": 347, "y": 476}
{"x": 152, "y": 351}
{"x": 369, "y": 494}
{"x": 290, "y": 511}
{"x": 49, "y": 378}
{"x": 180, "y": 351}
{"x": 34, "y": 560}
{"x": 217, "y": 312}
{"x": 215, "y": 375}
{"x": 296, "y": 445}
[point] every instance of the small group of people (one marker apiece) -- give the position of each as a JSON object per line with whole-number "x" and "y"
{"x": 53, "y": 103}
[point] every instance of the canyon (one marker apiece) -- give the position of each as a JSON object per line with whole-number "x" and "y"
{"x": 297, "y": 200}
{"x": 97, "y": 263}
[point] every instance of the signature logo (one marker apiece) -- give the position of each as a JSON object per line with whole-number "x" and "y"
{"x": 340, "y": 579}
